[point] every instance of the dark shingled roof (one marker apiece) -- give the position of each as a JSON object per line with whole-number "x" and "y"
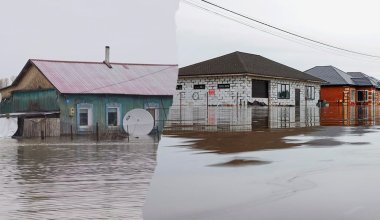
{"x": 332, "y": 75}
{"x": 362, "y": 79}
{"x": 239, "y": 62}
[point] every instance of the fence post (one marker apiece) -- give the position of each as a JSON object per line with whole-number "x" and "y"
{"x": 97, "y": 131}
{"x": 207, "y": 104}
{"x": 128, "y": 133}
{"x": 71, "y": 132}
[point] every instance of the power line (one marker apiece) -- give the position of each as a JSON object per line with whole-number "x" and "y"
{"x": 283, "y": 30}
{"x": 297, "y": 41}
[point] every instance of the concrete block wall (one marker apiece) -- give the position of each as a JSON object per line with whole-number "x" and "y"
{"x": 240, "y": 86}
{"x": 293, "y": 86}
{"x": 198, "y": 97}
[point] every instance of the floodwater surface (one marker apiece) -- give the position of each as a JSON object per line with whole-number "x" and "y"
{"x": 60, "y": 179}
{"x": 290, "y": 166}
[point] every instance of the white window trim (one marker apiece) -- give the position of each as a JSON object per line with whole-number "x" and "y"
{"x": 307, "y": 93}
{"x": 118, "y": 107}
{"x": 89, "y": 108}
{"x": 366, "y": 97}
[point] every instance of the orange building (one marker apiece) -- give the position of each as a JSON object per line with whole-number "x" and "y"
{"x": 346, "y": 89}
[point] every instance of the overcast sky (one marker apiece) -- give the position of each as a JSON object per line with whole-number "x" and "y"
{"x": 349, "y": 24}
{"x": 141, "y": 31}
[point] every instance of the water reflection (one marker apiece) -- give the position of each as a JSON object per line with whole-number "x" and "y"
{"x": 350, "y": 115}
{"x": 58, "y": 180}
{"x": 267, "y": 163}
{"x": 253, "y": 118}
{"x": 240, "y": 119}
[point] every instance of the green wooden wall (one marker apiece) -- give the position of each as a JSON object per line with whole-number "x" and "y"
{"x": 99, "y": 102}
{"x": 51, "y": 100}
{"x": 31, "y": 101}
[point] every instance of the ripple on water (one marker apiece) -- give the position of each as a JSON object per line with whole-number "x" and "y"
{"x": 74, "y": 181}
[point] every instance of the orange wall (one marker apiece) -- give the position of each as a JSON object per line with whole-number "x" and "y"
{"x": 335, "y": 95}
{"x": 339, "y": 95}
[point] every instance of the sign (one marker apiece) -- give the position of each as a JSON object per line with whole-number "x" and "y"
{"x": 211, "y": 92}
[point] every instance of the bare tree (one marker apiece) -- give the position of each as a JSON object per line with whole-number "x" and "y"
{"x": 4, "y": 82}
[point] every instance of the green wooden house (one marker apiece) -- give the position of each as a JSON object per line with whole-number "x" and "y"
{"x": 64, "y": 97}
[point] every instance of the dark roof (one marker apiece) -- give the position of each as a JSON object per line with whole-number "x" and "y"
{"x": 362, "y": 79}
{"x": 239, "y": 63}
{"x": 331, "y": 75}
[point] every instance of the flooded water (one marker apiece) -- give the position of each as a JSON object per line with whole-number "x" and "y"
{"x": 60, "y": 179}
{"x": 259, "y": 163}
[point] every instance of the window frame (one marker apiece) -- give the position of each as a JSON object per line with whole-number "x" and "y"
{"x": 280, "y": 90}
{"x": 365, "y": 95}
{"x": 352, "y": 95}
{"x": 307, "y": 92}
{"x": 116, "y": 106}
{"x": 90, "y": 121}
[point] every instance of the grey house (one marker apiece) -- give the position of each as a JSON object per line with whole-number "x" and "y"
{"x": 241, "y": 78}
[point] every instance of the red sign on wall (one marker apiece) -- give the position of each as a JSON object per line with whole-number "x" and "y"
{"x": 211, "y": 92}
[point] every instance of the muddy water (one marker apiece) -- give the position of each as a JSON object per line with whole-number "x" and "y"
{"x": 59, "y": 179}
{"x": 277, "y": 166}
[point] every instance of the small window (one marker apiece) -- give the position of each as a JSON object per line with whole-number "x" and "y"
{"x": 310, "y": 92}
{"x": 179, "y": 87}
{"x": 362, "y": 96}
{"x": 112, "y": 116}
{"x": 83, "y": 117}
{"x": 224, "y": 86}
{"x": 353, "y": 93}
{"x": 200, "y": 86}
{"x": 283, "y": 91}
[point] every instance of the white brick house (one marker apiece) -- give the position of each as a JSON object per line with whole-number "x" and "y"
{"x": 241, "y": 78}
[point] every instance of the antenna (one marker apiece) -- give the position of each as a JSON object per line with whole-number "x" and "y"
{"x": 138, "y": 122}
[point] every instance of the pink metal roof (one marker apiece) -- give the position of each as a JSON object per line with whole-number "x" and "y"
{"x": 97, "y": 78}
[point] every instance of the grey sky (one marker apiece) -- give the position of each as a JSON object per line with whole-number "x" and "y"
{"x": 138, "y": 31}
{"x": 349, "y": 24}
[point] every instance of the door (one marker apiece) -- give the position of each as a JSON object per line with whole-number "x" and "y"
{"x": 298, "y": 97}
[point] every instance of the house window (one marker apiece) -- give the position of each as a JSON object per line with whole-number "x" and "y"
{"x": 113, "y": 115}
{"x": 200, "y": 86}
{"x": 260, "y": 88}
{"x": 310, "y": 92}
{"x": 224, "y": 86}
{"x": 353, "y": 92}
{"x": 83, "y": 117}
{"x": 179, "y": 87}
{"x": 362, "y": 95}
{"x": 283, "y": 91}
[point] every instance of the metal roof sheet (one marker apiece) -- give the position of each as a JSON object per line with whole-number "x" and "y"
{"x": 73, "y": 77}
{"x": 332, "y": 75}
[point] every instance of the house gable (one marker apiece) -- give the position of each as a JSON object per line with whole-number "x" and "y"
{"x": 30, "y": 78}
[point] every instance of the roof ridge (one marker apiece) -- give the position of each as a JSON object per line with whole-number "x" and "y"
{"x": 98, "y": 62}
{"x": 337, "y": 71}
{"x": 238, "y": 53}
